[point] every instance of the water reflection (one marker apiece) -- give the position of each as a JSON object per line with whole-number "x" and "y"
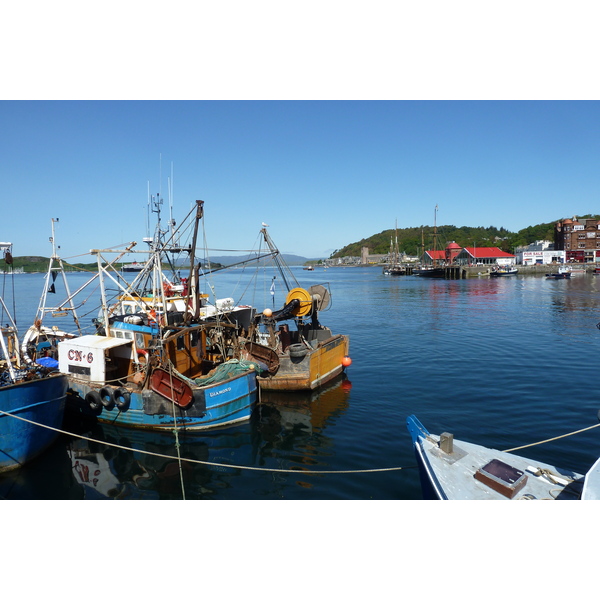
{"x": 286, "y": 431}
{"x": 133, "y": 464}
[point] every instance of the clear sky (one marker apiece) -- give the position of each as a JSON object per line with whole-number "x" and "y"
{"x": 321, "y": 174}
{"x": 328, "y": 123}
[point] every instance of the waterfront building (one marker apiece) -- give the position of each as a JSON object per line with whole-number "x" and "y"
{"x": 540, "y": 252}
{"x": 484, "y": 256}
{"x": 433, "y": 257}
{"x": 579, "y": 238}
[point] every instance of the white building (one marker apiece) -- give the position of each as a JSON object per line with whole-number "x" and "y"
{"x": 540, "y": 257}
{"x": 540, "y": 252}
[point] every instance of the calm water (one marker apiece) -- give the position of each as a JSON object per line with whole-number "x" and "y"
{"x": 503, "y": 362}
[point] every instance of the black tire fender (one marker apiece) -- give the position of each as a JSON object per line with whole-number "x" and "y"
{"x": 107, "y": 397}
{"x": 298, "y": 350}
{"x": 122, "y": 398}
{"x": 94, "y": 400}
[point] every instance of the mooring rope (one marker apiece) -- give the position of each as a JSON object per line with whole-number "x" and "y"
{"x": 176, "y": 432}
{"x": 208, "y": 463}
{"x": 558, "y": 437}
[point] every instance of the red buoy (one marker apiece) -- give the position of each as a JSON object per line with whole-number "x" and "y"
{"x": 346, "y": 361}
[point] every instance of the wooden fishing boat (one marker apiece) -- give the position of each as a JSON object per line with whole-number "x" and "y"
{"x": 161, "y": 357}
{"x": 32, "y": 398}
{"x": 458, "y": 470}
{"x": 299, "y": 353}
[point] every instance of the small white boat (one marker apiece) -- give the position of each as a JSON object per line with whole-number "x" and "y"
{"x": 503, "y": 271}
{"x": 459, "y": 470}
{"x": 562, "y": 273}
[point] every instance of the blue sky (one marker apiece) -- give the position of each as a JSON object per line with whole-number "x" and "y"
{"x": 322, "y": 174}
{"x": 329, "y": 122}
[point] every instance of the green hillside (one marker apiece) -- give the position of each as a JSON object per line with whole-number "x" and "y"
{"x": 410, "y": 239}
{"x": 36, "y": 264}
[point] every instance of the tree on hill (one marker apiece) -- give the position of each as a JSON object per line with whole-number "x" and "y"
{"x": 411, "y": 240}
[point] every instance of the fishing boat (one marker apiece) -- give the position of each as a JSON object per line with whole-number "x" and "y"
{"x": 132, "y": 267}
{"x": 562, "y": 273}
{"x": 161, "y": 357}
{"x": 457, "y": 470}
{"x": 503, "y": 271}
{"x": 32, "y": 397}
{"x": 299, "y": 353}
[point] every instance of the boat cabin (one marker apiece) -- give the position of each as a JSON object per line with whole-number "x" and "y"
{"x": 96, "y": 357}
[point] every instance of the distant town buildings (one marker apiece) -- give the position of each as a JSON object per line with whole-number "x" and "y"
{"x": 575, "y": 241}
{"x": 580, "y": 239}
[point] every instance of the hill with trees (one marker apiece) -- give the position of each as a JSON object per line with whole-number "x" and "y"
{"x": 37, "y": 264}
{"x": 412, "y": 239}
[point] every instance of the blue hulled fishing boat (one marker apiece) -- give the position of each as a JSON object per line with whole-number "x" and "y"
{"x": 162, "y": 357}
{"x": 32, "y": 397}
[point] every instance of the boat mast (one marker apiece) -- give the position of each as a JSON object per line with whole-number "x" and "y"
{"x": 396, "y": 249}
{"x": 435, "y": 235}
{"x": 171, "y": 220}
{"x": 51, "y": 276}
{"x": 278, "y": 261}
{"x": 3, "y": 344}
{"x": 192, "y": 279}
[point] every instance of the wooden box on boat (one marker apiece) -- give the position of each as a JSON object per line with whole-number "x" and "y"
{"x": 502, "y": 478}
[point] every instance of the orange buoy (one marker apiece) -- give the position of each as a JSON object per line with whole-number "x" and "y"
{"x": 346, "y": 361}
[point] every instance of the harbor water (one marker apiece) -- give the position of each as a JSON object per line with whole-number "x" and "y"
{"x": 503, "y": 362}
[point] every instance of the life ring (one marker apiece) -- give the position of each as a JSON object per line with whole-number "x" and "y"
{"x": 107, "y": 397}
{"x": 142, "y": 354}
{"x": 94, "y": 400}
{"x": 122, "y": 398}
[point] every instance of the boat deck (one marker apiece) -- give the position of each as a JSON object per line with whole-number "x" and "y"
{"x": 454, "y": 474}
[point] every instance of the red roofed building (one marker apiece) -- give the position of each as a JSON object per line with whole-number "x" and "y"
{"x": 434, "y": 256}
{"x": 484, "y": 256}
{"x": 454, "y": 254}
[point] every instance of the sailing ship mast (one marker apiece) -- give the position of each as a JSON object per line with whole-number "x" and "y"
{"x": 435, "y": 235}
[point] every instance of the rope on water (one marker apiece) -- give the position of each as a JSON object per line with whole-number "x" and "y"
{"x": 205, "y": 462}
{"x": 558, "y": 437}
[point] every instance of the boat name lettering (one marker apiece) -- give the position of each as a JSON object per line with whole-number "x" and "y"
{"x": 219, "y": 392}
{"x": 79, "y": 356}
